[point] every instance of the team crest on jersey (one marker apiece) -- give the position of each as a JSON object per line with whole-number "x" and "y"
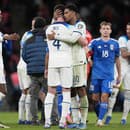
{"x": 80, "y": 26}
{"x": 112, "y": 47}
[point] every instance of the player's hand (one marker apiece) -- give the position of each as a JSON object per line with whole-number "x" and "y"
{"x": 118, "y": 82}
{"x": 13, "y": 36}
{"x": 57, "y": 14}
{"x": 51, "y": 36}
{"x": 46, "y": 73}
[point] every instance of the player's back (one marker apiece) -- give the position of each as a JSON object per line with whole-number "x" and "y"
{"x": 60, "y": 53}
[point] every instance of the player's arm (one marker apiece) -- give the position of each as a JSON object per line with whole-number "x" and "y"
{"x": 67, "y": 38}
{"x": 124, "y": 53}
{"x": 46, "y": 63}
{"x": 13, "y": 36}
{"x": 24, "y": 52}
{"x": 118, "y": 67}
{"x": 123, "y": 47}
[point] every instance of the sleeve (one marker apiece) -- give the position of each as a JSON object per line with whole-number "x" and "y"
{"x": 25, "y": 36}
{"x": 24, "y": 52}
{"x": 1, "y": 37}
{"x": 49, "y": 30}
{"x": 68, "y": 38}
{"x": 91, "y": 45}
{"x": 122, "y": 42}
{"x": 81, "y": 28}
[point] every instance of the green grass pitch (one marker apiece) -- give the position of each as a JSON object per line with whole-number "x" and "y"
{"x": 11, "y": 118}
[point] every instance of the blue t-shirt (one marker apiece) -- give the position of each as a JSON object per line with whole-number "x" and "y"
{"x": 104, "y": 54}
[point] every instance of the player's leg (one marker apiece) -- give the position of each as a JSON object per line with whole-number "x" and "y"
{"x": 28, "y": 115}
{"x": 21, "y": 103}
{"x": 83, "y": 96}
{"x": 3, "y": 88}
{"x": 34, "y": 92}
{"x": 21, "y": 109}
{"x": 106, "y": 89}
{"x": 126, "y": 106}
{"x": 53, "y": 81}
{"x": 25, "y": 100}
{"x": 111, "y": 103}
{"x": 77, "y": 81}
{"x": 48, "y": 105}
{"x": 66, "y": 83}
{"x": 74, "y": 106}
{"x": 103, "y": 108}
{"x": 95, "y": 91}
{"x": 26, "y": 84}
{"x": 96, "y": 102}
{"x": 42, "y": 96}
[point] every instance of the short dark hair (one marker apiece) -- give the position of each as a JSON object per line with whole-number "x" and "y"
{"x": 72, "y": 7}
{"x": 40, "y": 22}
{"x": 60, "y": 7}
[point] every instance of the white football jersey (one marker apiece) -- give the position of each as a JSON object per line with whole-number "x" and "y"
{"x": 2, "y": 76}
{"x": 124, "y": 43}
{"x": 78, "y": 52}
{"x": 79, "y": 55}
{"x": 60, "y": 53}
{"x": 1, "y": 57}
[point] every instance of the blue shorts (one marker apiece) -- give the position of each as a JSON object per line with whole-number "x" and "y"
{"x": 101, "y": 86}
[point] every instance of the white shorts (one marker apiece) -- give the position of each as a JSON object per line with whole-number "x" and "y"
{"x": 24, "y": 79}
{"x": 79, "y": 75}
{"x": 2, "y": 76}
{"x": 60, "y": 76}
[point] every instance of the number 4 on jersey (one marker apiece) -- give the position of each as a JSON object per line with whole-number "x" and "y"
{"x": 57, "y": 44}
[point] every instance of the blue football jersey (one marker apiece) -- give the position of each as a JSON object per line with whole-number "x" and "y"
{"x": 104, "y": 54}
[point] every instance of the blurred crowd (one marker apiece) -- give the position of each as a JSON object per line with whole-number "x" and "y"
{"x": 17, "y": 17}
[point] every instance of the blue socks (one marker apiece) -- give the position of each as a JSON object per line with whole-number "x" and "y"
{"x": 103, "y": 110}
{"x": 96, "y": 108}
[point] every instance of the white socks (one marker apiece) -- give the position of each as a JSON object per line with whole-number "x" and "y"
{"x": 75, "y": 109}
{"x": 84, "y": 108}
{"x": 24, "y": 108}
{"x": 126, "y": 108}
{"x": 48, "y": 104}
{"x": 27, "y": 107}
{"x": 112, "y": 101}
{"x": 21, "y": 108}
{"x": 65, "y": 106}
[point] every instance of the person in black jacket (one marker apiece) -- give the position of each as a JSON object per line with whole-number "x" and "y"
{"x": 33, "y": 53}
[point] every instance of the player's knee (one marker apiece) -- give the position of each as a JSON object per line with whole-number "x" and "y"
{"x": 95, "y": 97}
